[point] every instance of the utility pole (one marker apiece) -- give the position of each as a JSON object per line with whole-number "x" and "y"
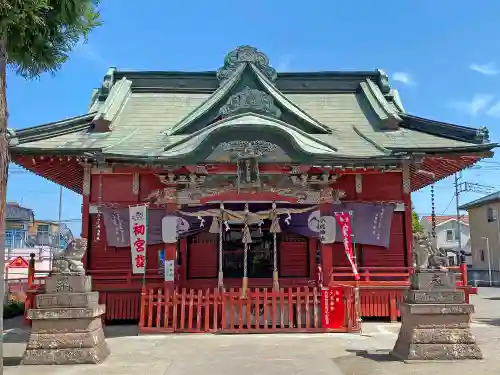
{"x": 461, "y": 187}
{"x": 58, "y": 242}
{"x": 457, "y": 204}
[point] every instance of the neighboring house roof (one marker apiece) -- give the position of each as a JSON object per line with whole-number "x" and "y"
{"x": 64, "y": 229}
{"x": 488, "y": 199}
{"x": 446, "y": 218}
{"x": 15, "y": 212}
{"x": 50, "y": 222}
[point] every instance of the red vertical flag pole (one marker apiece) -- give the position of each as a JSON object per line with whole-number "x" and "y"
{"x": 357, "y": 298}
{"x": 344, "y": 220}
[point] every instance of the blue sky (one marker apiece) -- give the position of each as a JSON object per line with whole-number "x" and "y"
{"x": 443, "y": 56}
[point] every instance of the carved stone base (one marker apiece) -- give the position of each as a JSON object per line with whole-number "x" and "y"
{"x": 435, "y": 322}
{"x": 66, "y": 326}
{"x": 71, "y": 356}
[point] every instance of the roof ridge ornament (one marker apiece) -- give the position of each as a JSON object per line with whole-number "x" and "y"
{"x": 245, "y": 55}
{"x": 383, "y": 82}
{"x": 107, "y": 82}
{"x": 250, "y": 99}
{"x": 483, "y": 134}
{"x": 249, "y": 149}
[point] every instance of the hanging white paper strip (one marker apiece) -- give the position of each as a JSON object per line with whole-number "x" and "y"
{"x": 138, "y": 237}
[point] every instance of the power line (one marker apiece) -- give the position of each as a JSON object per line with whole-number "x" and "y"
{"x": 448, "y": 205}
{"x": 62, "y": 221}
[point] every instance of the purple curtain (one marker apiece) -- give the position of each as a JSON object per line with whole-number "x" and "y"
{"x": 116, "y": 224}
{"x": 371, "y": 222}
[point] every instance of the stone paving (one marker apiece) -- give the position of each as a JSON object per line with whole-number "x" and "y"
{"x": 335, "y": 354}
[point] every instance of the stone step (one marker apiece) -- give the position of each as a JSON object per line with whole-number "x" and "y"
{"x": 51, "y": 300}
{"x": 66, "y": 340}
{"x": 66, "y": 313}
{"x": 436, "y": 352}
{"x": 71, "y": 356}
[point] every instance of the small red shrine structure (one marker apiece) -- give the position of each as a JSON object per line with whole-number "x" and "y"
{"x": 219, "y": 147}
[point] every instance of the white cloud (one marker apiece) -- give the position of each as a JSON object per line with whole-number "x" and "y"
{"x": 404, "y": 78}
{"x": 494, "y": 110}
{"x": 478, "y": 104}
{"x": 284, "y": 63}
{"x": 85, "y": 50}
{"x": 488, "y": 69}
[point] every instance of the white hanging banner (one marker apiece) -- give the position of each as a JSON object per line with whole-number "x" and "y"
{"x": 138, "y": 237}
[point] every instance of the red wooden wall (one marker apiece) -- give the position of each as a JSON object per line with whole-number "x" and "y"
{"x": 377, "y": 188}
{"x": 293, "y": 256}
{"x": 202, "y": 259}
{"x": 202, "y": 256}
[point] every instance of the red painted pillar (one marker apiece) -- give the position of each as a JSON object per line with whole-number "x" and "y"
{"x": 86, "y": 186}
{"x": 408, "y": 231}
{"x": 171, "y": 249}
{"x": 326, "y": 253}
{"x": 463, "y": 271}
{"x": 406, "y": 191}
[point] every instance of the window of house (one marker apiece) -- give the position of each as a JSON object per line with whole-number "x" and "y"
{"x": 43, "y": 234}
{"x": 492, "y": 214}
{"x": 42, "y": 229}
{"x": 482, "y": 255}
{"x": 450, "y": 235}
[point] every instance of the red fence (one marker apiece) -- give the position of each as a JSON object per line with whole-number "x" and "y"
{"x": 264, "y": 311}
{"x": 377, "y": 276}
{"x": 380, "y": 290}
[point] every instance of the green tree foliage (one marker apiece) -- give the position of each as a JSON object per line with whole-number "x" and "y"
{"x": 36, "y": 36}
{"x": 415, "y": 223}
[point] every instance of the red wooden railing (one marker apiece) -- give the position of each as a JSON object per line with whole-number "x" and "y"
{"x": 375, "y": 276}
{"x": 381, "y": 288}
{"x": 263, "y": 310}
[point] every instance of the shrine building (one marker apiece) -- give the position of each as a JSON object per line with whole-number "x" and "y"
{"x": 246, "y": 176}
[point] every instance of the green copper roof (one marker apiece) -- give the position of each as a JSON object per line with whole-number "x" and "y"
{"x": 175, "y": 115}
{"x": 260, "y": 123}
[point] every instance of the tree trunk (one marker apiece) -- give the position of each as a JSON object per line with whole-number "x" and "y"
{"x": 4, "y": 165}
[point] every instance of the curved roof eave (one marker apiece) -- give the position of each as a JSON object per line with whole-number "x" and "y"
{"x": 444, "y": 129}
{"x": 250, "y": 119}
{"x": 50, "y": 130}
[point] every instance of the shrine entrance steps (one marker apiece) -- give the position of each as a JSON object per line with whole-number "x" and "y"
{"x": 297, "y": 310}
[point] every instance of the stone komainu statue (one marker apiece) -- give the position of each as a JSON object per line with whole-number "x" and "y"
{"x": 68, "y": 261}
{"x": 426, "y": 255}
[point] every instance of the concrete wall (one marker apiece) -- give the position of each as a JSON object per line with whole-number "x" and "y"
{"x": 480, "y": 228}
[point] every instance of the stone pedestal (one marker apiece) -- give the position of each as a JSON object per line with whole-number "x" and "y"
{"x": 66, "y": 325}
{"x": 435, "y": 321}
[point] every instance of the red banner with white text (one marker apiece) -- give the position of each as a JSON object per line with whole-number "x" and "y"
{"x": 333, "y": 307}
{"x": 344, "y": 222}
{"x": 138, "y": 237}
